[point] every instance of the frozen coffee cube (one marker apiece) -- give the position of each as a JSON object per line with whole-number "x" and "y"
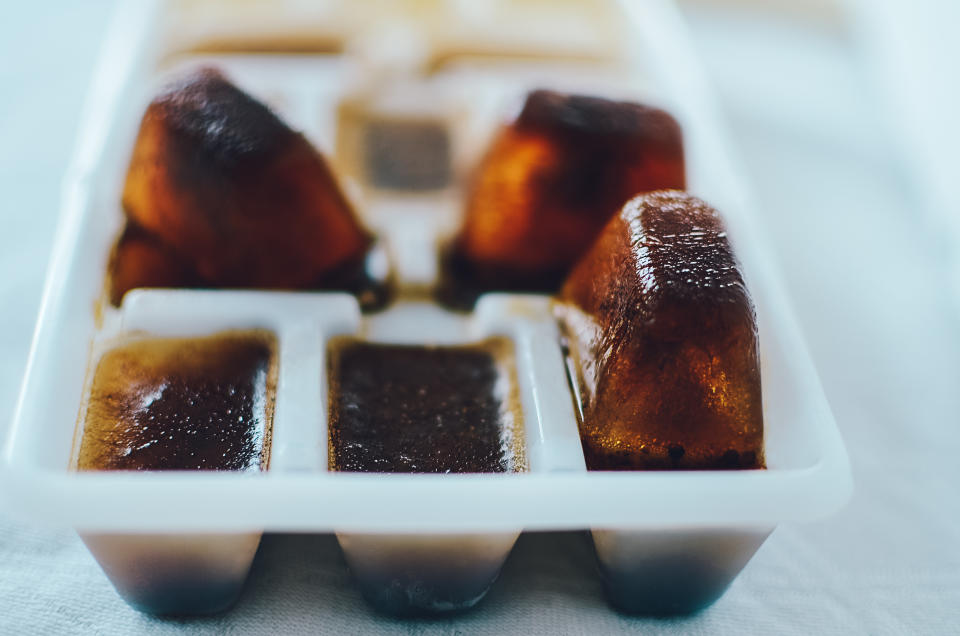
{"x": 424, "y": 409}
{"x": 663, "y": 334}
{"x": 551, "y": 180}
{"x": 182, "y": 404}
{"x": 241, "y": 199}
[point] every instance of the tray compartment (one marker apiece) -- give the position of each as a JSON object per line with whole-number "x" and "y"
{"x": 204, "y": 573}
{"x": 425, "y": 573}
{"x": 174, "y": 574}
{"x": 667, "y": 572}
{"x": 431, "y": 573}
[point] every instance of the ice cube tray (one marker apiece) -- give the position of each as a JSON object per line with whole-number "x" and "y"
{"x": 666, "y": 541}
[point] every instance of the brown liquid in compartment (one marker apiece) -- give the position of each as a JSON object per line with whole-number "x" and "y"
{"x": 182, "y": 404}
{"x": 423, "y": 409}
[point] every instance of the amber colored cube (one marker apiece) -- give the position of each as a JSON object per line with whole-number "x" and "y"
{"x": 217, "y": 179}
{"x": 552, "y": 179}
{"x": 663, "y": 334}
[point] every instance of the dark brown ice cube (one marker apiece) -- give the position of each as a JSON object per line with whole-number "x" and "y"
{"x": 182, "y": 404}
{"x": 241, "y": 199}
{"x": 550, "y": 181}
{"x": 420, "y": 409}
{"x": 663, "y": 335}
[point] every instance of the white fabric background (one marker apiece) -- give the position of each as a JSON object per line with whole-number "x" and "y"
{"x": 869, "y": 281}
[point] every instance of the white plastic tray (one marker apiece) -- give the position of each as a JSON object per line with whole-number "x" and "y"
{"x": 807, "y": 473}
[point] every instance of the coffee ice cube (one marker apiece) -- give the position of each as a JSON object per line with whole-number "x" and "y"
{"x": 239, "y": 197}
{"x": 424, "y": 409}
{"x": 181, "y": 404}
{"x": 550, "y": 181}
{"x": 663, "y": 334}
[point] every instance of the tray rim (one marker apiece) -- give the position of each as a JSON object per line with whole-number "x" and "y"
{"x": 785, "y": 494}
